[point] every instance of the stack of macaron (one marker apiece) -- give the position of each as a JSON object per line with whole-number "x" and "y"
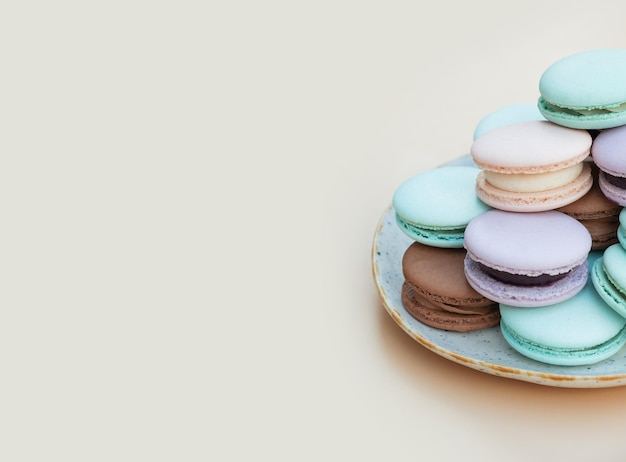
{"x": 545, "y": 210}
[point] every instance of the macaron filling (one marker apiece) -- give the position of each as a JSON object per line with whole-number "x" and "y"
{"x": 615, "y": 180}
{"x": 618, "y": 107}
{"x": 553, "y": 288}
{"x": 420, "y": 233}
{"x": 532, "y": 182}
{"x": 521, "y": 279}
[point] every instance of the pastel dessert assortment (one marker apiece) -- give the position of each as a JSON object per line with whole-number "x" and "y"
{"x": 531, "y": 239}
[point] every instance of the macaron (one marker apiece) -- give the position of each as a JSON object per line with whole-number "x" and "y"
{"x": 526, "y": 259}
{"x": 609, "y": 278}
{"x": 609, "y": 154}
{"x": 435, "y": 206}
{"x": 532, "y": 166}
{"x": 585, "y": 90}
{"x": 507, "y": 115}
{"x": 579, "y": 331}
{"x": 596, "y": 213}
{"x": 621, "y": 229}
{"x": 436, "y": 293}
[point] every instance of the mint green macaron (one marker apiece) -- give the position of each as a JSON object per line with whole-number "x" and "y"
{"x": 506, "y": 115}
{"x": 434, "y": 207}
{"x": 580, "y": 331}
{"x": 609, "y": 277}
{"x": 585, "y": 90}
{"x": 621, "y": 230}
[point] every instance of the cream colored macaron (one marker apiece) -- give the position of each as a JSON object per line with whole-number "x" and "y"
{"x": 532, "y": 166}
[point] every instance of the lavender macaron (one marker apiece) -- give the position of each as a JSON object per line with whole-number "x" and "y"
{"x": 609, "y": 154}
{"x": 526, "y": 259}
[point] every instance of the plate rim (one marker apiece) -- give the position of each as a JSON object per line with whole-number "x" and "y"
{"x": 492, "y": 368}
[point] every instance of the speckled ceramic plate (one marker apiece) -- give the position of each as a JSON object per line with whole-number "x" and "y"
{"x": 484, "y": 350}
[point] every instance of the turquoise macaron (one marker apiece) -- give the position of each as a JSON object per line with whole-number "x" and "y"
{"x": 585, "y": 90}
{"x": 507, "y": 115}
{"x": 621, "y": 229}
{"x": 609, "y": 278}
{"x": 434, "y": 207}
{"x": 580, "y": 331}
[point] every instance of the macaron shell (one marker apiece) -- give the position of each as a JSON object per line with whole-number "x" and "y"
{"x": 606, "y": 290}
{"x": 621, "y": 236}
{"x": 596, "y": 213}
{"x": 621, "y": 230}
{"x": 581, "y": 330}
{"x": 558, "y": 357}
{"x": 586, "y": 80}
{"x": 434, "y": 207}
{"x": 526, "y": 296}
{"x": 530, "y": 243}
{"x": 611, "y": 191}
{"x": 507, "y": 115}
{"x": 437, "y": 274}
{"x": 580, "y": 322}
{"x": 594, "y": 204}
{"x": 534, "y": 201}
{"x": 609, "y": 278}
{"x": 530, "y": 147}
{"x": 603, "y": 231}
{"x": 609, "y": 151}
{"x": 441, "y": 319}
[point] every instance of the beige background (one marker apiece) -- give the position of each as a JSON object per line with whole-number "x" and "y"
{"x": 189, "y": 196}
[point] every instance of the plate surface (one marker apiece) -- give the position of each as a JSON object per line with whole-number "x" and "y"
{"x": 484, "y": 350}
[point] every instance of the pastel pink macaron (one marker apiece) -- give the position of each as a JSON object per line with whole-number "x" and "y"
{"x": 526, "y": 259}
{"x": 532, "y": 166}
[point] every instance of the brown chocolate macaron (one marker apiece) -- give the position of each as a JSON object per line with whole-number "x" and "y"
{"x": 436, "y": 292}
{"x": 597, "y": 213}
